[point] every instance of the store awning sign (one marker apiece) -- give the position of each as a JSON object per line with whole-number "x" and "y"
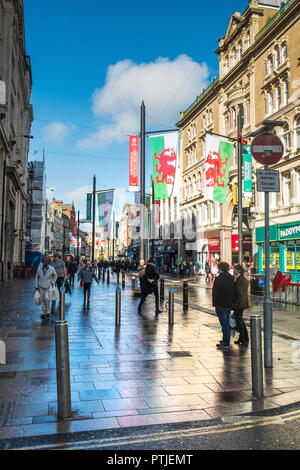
{"x": 289, "y": 232}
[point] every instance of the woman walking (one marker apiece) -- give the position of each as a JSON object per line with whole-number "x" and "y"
{"x": 86, "y": 276}
{"x": 240, "y": 303}
{"x": 45, "y": 279}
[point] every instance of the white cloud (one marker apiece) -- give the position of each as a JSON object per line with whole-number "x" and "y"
{"x": 77, "y": 195}
{"x": 166, "y": 86}
{"x": 56, "y": 132}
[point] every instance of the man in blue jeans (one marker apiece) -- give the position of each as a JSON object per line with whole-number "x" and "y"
{"x": 222, "y": 295}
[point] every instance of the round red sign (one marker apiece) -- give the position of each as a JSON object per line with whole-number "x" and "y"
{"x": 267, "y": 149}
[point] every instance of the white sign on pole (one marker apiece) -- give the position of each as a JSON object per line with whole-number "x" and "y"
{"x": 268, "y": 180}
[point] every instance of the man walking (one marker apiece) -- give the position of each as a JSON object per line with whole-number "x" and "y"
{"x": 240, "y": 303}
{"x": 45, "y": 278}
{"x": 60, "y": 268}
{"x": 149, "y": 285}
{"x": 72, "y": 268}
{"x": 118, "y": 269}
{"x": 86, "y": 276}
{"x": 222, "y": 295}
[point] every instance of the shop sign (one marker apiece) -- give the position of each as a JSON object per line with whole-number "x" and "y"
{"x": 287, "y": 232}
{"x": 247, "y": 243}
{"x": 235, "y": 243}
{"x": 214, "y": 245}
{"x": 268, "y": 181}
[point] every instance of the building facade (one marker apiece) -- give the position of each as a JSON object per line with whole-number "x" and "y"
{"x": 16, "y": 116}
{"x": 259, "y": 75}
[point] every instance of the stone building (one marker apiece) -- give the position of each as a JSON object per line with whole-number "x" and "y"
{"x": 259, "y": 75}
{"x": 16, "y": 116}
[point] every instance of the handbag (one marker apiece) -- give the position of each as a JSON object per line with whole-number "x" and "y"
{"x": 53, "y": 294}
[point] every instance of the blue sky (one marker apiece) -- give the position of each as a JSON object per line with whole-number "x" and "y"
{"x": 92, "y": 64}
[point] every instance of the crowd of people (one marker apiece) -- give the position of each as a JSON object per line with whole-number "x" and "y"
{"x": 229, "y": 292}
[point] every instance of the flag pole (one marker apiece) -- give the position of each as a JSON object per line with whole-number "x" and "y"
{"x": 142, "y": 182}
{"x": 240, "y": 184}
{"x": 94, "y": 219}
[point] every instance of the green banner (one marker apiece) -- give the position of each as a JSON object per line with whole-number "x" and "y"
{"x": 89, "y": 207}
{"x": 247, "y": 165}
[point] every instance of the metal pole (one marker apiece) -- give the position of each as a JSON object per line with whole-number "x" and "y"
{"x": 171, "y": 306}
{"x": 113, "y": 241}
{"x": 240, "y": 184}
{"x": 94, "y": 218}
{"x": 118, "y": 306}
{"x": 162, "y": 290}
{"x": 123, "y": 279}
{"x": 62, "y": 303}
{"x": 268, "y": 327}
{"x": 256, "y": 356}
{"x": 142, "y": 182}
{"x": 78, "y": 227}
{"x": 63, "y": 370}
{"x": 185, "y": 296}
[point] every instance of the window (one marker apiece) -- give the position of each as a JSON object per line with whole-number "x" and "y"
{"x": 298, "y": 184}
{"x": 234, "y": 56}
{"x": 269, "y": 65}
{"x": 227, "y": 64}
{"x": 199, "y": 182}
{"x": 284, "y": 53}
{"x": 278, "y": 97}
{"x": 286, "y": 189}
{"x": 285, "y": 92}
{"x": 248, "y": 39}
{"x": 286, "y": 137}
{"x": 233, "y": 118}
{"x": 194, "y": 185}
{"x": 270, "y": 102}
{"x": 240, "y": 49}
{"x": 277, "y": 57}
{"x": 297, "y": 133}
{"x": 274, "y": 200}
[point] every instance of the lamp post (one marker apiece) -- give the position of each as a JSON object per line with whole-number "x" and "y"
{"x": 251, "y": 224}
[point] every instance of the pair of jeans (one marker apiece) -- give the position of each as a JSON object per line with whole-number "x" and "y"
{"x": 223, "y": 314}
{"x": 241, "y": 326}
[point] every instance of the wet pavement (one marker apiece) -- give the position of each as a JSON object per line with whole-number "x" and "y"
{"x": 127, "y": 376}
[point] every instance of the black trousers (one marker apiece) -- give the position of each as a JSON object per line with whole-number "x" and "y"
{"x": 241, "y": 326}
{"x": 145, "y": 293}
{"x": 72, "y": 277}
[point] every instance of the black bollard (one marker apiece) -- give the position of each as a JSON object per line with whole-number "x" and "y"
{"x": 162, "y": 290}
{"x": 63, "y": 370}
{"x": 118, "y": 306}
{"x": 185, "y": 296}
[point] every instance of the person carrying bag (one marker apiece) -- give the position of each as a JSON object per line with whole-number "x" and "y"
{"x": 240, "y": 303}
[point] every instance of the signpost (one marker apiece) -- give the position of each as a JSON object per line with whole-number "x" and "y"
{"x": 267, "y": 149}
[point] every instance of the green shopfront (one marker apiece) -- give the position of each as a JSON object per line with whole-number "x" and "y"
{"x": 284, "y": 248}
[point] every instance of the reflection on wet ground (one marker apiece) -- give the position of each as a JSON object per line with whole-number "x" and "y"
{"x": 126, "y": 376}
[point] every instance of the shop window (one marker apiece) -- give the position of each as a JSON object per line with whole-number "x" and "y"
{"x": 274, "y": 255}
{"x": 290, "y": 256}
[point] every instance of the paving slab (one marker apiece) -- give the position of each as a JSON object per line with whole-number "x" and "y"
{"x": 128, "y": 376}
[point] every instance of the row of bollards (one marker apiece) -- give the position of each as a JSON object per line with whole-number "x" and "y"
{"x": 62, "y": 362}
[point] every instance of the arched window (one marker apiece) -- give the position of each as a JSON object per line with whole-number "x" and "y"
{"x": 278, "y": 97}
{"x": 286, "y": 137}
{"x": 190, "y": 188}
{"x": 269, "y": 65}
{"x": 248, "y": 39}
{"x": 297, "y": 133}
{"x": 194, "y": 185}
{"x": 270, "y": 102}
{"x": 199, "y": 182}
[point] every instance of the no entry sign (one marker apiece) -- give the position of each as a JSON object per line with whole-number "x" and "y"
{"x": 267, "y": 149}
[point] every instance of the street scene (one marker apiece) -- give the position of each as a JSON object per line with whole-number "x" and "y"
{"x": 149, "y": 230}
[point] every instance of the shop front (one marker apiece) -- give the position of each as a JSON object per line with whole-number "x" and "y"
{"x": 284, "y": 249}
{"x": 214, "y": 250}
{"x": 247, "y": 248}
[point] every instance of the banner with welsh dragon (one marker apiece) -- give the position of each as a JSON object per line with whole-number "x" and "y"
{"x": 164, "y": 159}
{"x": 218, "y": 155}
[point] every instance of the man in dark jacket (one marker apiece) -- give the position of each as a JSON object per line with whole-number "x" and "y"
{"x": 118, "y": 269}
{"x": 222, "y": 295}
{"x": 149, "y": 284}
{"x": 240, "y": 303}
{"x": 72, "y": 268}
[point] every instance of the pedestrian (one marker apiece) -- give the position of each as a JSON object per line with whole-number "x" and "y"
{"x": 207, "y": 271}
{"x": 61, "y": 272}
{"x": 222, "y": 295}
{"x": 80, "y": 267}
{"x": 149, "y": 284}
{"x": 86, "y": 276}
{"x": 72, "y": 268}
{"x": 240, "y": 303}
{"x": 118, "y": 269}
{"x": 197, "y": 269}
{"x": 45, "y": 279}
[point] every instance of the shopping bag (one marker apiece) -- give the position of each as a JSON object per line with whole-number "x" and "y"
{"x": 53, "y": 294}
{"x": 37, "y": 298}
